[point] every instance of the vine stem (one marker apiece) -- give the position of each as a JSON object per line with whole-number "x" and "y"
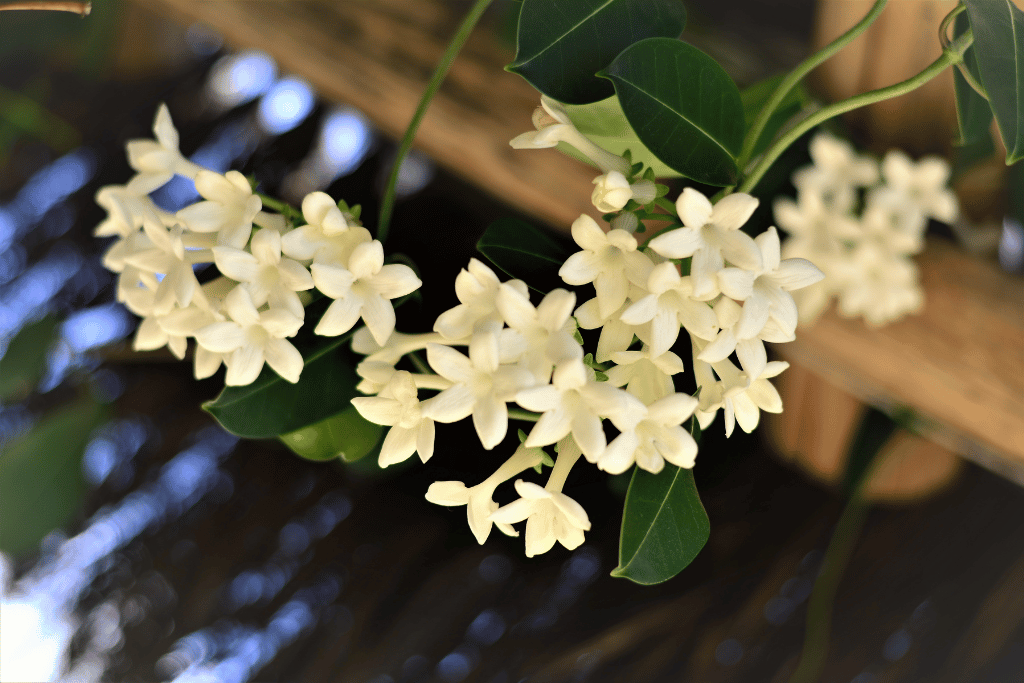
{"x": 944, "y": 40}
{"x": 465, "y": 28}
{"x": 950, "y": 56}
{"x": 797, "y": 74}
{"x": 519, "y": 414}
{"x": 281, "y": 207}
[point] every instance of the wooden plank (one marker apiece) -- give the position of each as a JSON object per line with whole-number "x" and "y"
{"x": 959, "y": 364}
{"x": 377, "y": 55}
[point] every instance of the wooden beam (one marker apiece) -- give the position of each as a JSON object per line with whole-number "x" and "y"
{"x": 960, "y": 364}
{"x": 377, "y": 55}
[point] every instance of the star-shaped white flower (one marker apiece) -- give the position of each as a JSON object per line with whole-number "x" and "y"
{"x": 742, "y": 398}
{"x": 253, "y": 338}
{"x": 924, "y": 184}
{"x": 669, "y": 304}
{"x": 652, "y": 436}
{"x": 161, "y": 158}
{"x": 551, "y": 516}
{"x": 836, "y": 174}
{"x": 229, "y": 209}
{"x": 266, "y": 275}
{"x": 710, "y": 235}
{"x": 479, "y": 499}
{"x": 547, "y": 330}
{"x": 481, "y": 387}
{"x": 644, "y": 375}
{"x": 476, "y": 287}
{"x": 365, "y": 289}
{"x": 574, "y": 402}
{"x": 173, "y": 254}
{"x": 609, "y": 260}
{"x": 397, "y": 406}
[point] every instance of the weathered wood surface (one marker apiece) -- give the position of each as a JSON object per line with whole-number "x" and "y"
{"x": 960, "y": 363}
{"x": 378, "y": 55}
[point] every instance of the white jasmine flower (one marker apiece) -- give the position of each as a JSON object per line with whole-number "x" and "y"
{"x": 185, "y": 322}
{"x": 742, "y": 398}
{"x": 547, "y": 330}
{"x": 646, "y": 376}
{"x": 551, "y": 516}
{"x": 325, "y": 227}
{"x": 398, "y": 407}
{"x": 837, "y": 172}
{"x": 479, "y": 499}
{"x": 553, "y": 126}
{"x": 229, "y": 209}
{"x": 616, "y": 335}
{"x": 253, "y": 338}
{"x": 923, "y": 184}
{"x": 266, "y": 275}
{"x": 173, "y": 253}
{"x": 670, "y": 304}
{"x": 477, "y": 290}
{"x": 652, "y": 436}
{"x": 741, "y": 329}
{"x": 160, "y": 158}
{"x": 151, "y": 336}
{"x": 711, "y": 235}
{"x": 609, "y": 260}
{"x": 364, "y": 290}
{"x": 480, "y": 387}
{"x": 897, "y": 223}
{"x": 878, "y": 285}
{"x": 129, "y": 206}
{"x": 613, "y": 191}
{"x": 574, "y": 403}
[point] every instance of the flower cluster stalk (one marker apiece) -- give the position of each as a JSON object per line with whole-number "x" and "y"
{"x": 952, "y": 55}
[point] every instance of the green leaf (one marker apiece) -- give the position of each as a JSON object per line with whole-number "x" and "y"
{"x": 41, "y": 484}
{"x": 664, "y": 526}
{"x": 973, "y": 113}
{"x": 998, "y": 28}
{"x": 561, "y": 45}
{"x": 756, "y": 96}
{"x": 605, "y": 124}
{"x": 24, "y": 363}
{"x": 271, "y": 405}
{"x": 347, "y": 435}
{"x": 525, "y": 252}
{"x": 687, "y": 110}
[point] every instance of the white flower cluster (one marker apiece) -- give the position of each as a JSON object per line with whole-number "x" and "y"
{"x": 734, "y": 298}
{"x": 861, "y": 222}
{"x": 243, "y": 318}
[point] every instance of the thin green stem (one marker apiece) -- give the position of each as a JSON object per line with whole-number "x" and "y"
{"x": 388, "y": 202}
{"x": 961, "y": 66}
{"x": 950, "y": 56}
{"x": 795, "y": 76}
{"x": 420, "y": 364}
{"x": 819, "y": 607}
{"x": 283, "y": 208}
{"x": 520, "y": 414}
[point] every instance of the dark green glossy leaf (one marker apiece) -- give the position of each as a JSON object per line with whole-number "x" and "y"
{"x": 561, "y": 44}
{"x": 998, "y": 28}
{"x": 346, "y": 435}
{"x": 525, "y": 252}
{"x": 24, "y": 363}
{"x": 41, "y": 484}
{"x": 664, "y": 526}
{"x": 687, "y": 110}
{"x": 973, "y": 113}
{"x": 271, "y": 406}
{"x": 756, "y": 96}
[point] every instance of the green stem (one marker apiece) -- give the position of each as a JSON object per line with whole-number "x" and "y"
{"x": 944, "y": 40}
{"x": 283, "y": 208}
{"x": 795, "y": 76}
{"x": 519, "y": 414}
{"x": 819, "y": 607}
{"x": 951, "y": 56}
{"x": 388, "y": 202}
{"x": 875, "y": 430}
